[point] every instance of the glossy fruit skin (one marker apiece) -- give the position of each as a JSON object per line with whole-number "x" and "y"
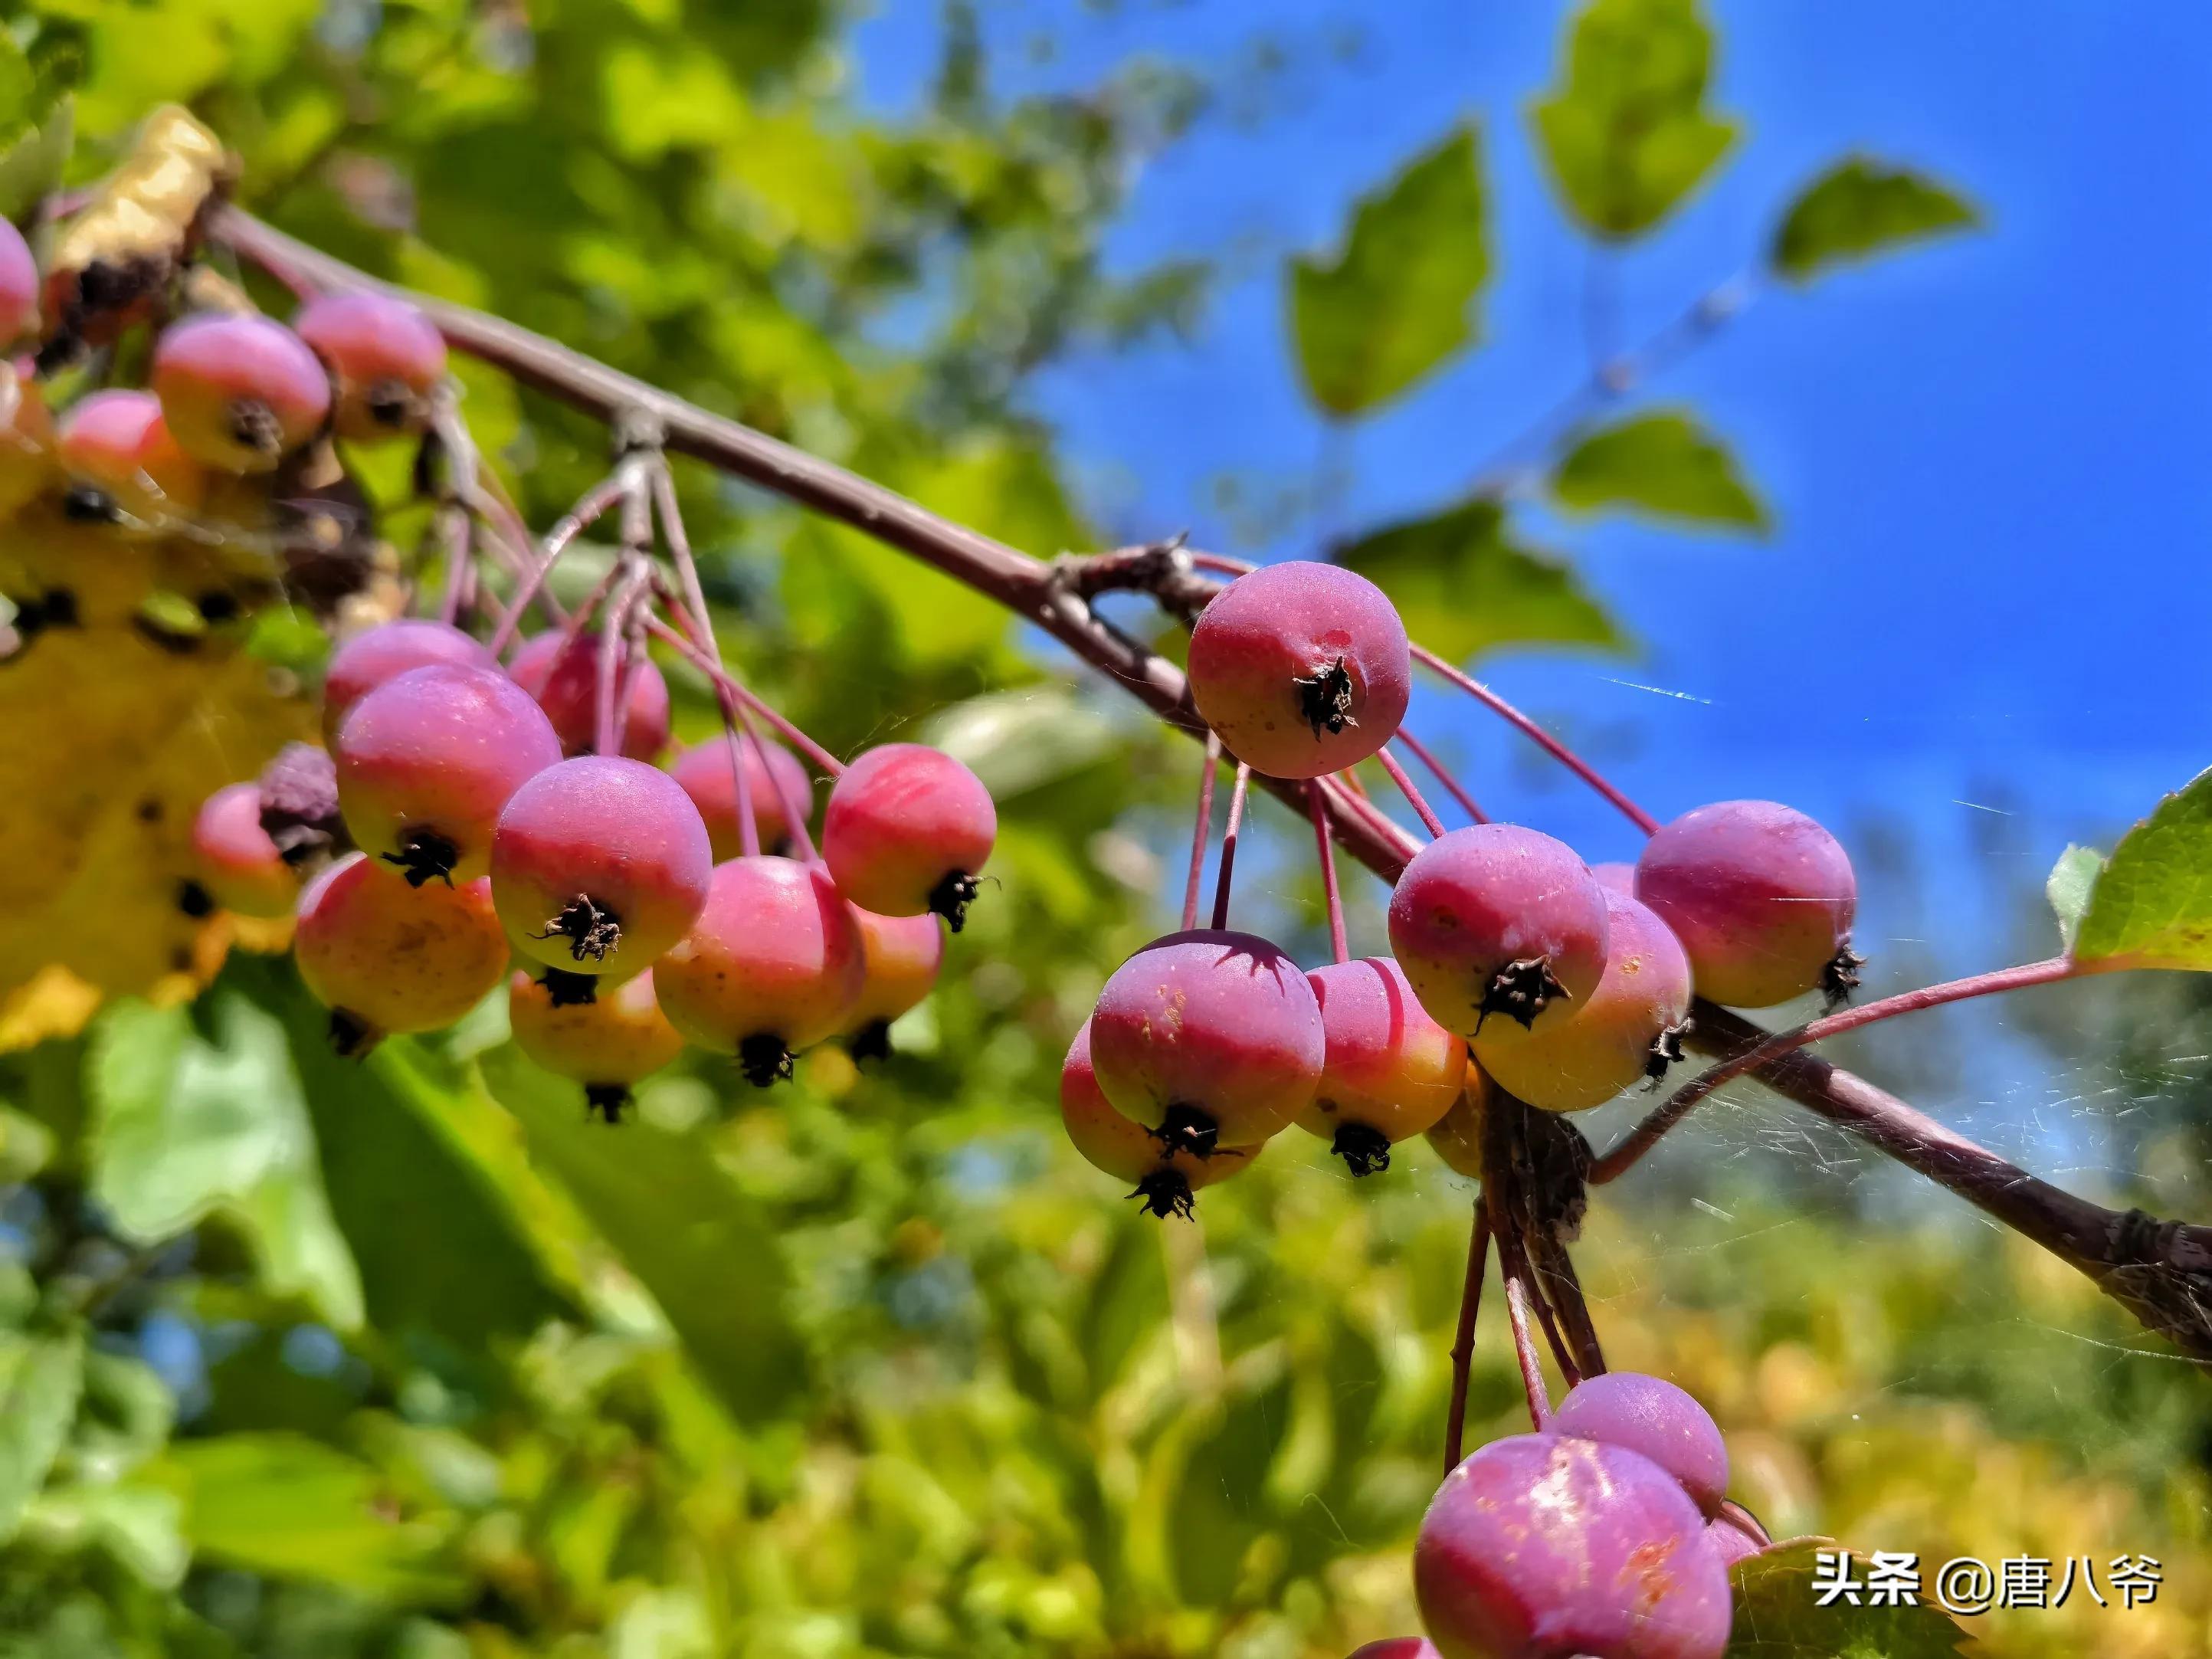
{"x": 117, "y": 442}
{"x": 384, "y": 356}
{"x": 1605, "y": 1045}
{"x": 237, "y": 862}
{"x": 1222, "y": 1025}
{"x": 387, "y": 958}
{"x": 1731, "y": 1541}
{"x": 1761, "y": 897}
{"x": 1396, "y": 1647}
{"x": 616, "y": 832}
{"x": 1651, "y": 1415}
{"x": 1542, "y": 1545}
{"x": 1117, "y": 1145}
{"x": 1278, "y": 638}
{"x": 1473, "y": 903}
{"x": 1615, "y": 878}
{"x": 377, "y": 654}
{"x": 706, "y": 775}
{"x": 20, "y": 318}
{"x": 903, "y": 822}
{"x": 1457, "y": 1137}
{"x": 240, "y": 393}
{"x": 775, "y": 956}
{"x": 903, "y": 955}
{"x": 438, "y": 750}
{"x": 565, "y": 680}
{"x": 1387, "y": 1067}
{"x": 27, "y": 461}
{"x": 618, "y": 1038}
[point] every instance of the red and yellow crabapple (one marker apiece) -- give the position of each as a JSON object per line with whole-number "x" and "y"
{"x": 1117, "y": 1145}
{"x": 240, "y": 393}
{"x": 903, "y": 955}
{"x": 119, "y": 451}
{"x": 771, "y": 772}
{"x": 1389, "y": 1071}
{"x": 563, "y": 675}
{"x": 386, "y": 957}
{"x": 1396, "y": 1647}
{"x": 19, "y": 319}
{"x": 1457, "y": 1137}
{"x": 241, "y": 868}
{"x": 1303, "y": 668}
{"x": 906, "y": 831}
{"x": 385, "y": 651}
{"x": 616, "y": 1039}
{"x": 1651, "y": 1415}
{"x": 384, "y": 359}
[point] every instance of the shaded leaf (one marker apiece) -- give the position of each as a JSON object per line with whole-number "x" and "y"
{"x": 1395, "y": 304}
{"x": 1018, "y": 741}
{"x": 2071, "y": 881}
{"x": 1127, "y": 1300}
{"x": 1219, "y": 1508}
{"x": 1860, "y": 208}
{"x": 1663, "y": 464}
{"x": 1775, "y": 1617}
{"x": 40, "y": 1378}
{"x": 140, "y": 1526}
{"x": 1628, "y": 136}
{"x": 2152, "y": 907}
{"x": 1465, "y": 586}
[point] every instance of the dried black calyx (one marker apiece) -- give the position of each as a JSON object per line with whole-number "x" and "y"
{"x": 1166, "y": 1192}
{"x": 607, "y": 1101}
{"x": 55, "y": 608}
{"x": 425, "y": 855}
{"x": 350, "y": 1034}
{"x": 566, "y": 990}
{"x": 951, "y": 896}
{"x": 300, "y": 805}
{"x": 764, "y": 1058}
{"x": 1325, "y": 699}
{"x": 215, "y": 605}
{"x": 1666, "y": 1050}
{"x": 194, "y": 899}
{"x": 1188, "y": 1129}
{"x": 1839, "y": 976}
{"x": 1364, "y": 1149}
{"x": 389, "y": 402}
{"x": 872, "y": 1042}
{"x": 592, "y": 931}
{"x": 89, "y": 504}
{"x": 254, "y": 425}
{"x": 1521, "y": 991}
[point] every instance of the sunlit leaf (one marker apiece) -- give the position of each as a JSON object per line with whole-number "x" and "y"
{"x": 1860, "y": 208}
{"x": 1776, "y": 1618}
{"x": 41, "y": 1377}
{"x": 2069, "y": 886}
{"x": 2152, "y": 907}
{"x": 1660, "y": 462}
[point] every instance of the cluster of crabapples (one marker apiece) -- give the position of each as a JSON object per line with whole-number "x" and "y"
{"x": 1514, "y": 965}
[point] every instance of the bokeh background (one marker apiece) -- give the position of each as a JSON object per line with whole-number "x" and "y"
{"x": 405, "y": 1359}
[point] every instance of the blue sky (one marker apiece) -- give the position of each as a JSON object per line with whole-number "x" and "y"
{"x": 1988, "y": 583}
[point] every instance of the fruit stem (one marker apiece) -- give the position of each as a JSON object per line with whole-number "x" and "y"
{"x": 1646, "y": 1134}
{"x": 748, "y": 830}
{"x": 1318, "y": 804}
{"x": 1196, "y": 879}
{"x": 590, "y": 507}
{"x": 612, "y": 680}
{"x": 1421, "y": 752}
{"x": 1421, "y": 808}
{"x": 1229, "y": 834}
{"x": 730, "y": 686}
{"x": 1524, "y": 1345}
{"x": 460, "y": 573}
{"x": 1551, "y": 745}
{"x": 1462, "y": 1348}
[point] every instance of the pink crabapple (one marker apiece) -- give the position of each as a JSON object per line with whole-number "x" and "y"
{"x": 1303, "y": 668}
{"x": 1615, "y": 878}
{"x": 240, "y": 393}
{"x": 1651, "y": 1415}
{"x": 119, "y": 453}
{"x": 1762, "y": 898}
{"x": 1389, "y": 1072}
{"x": 1499, "y": 928}
{"x": 1628, "y": 1030}
{"x": 563, "y": 675}
{"x": 598, "y": 865}
{"x": 386, "y": 957}
{"x": 299, "y": 797}
{"x": 1732, "y": 1537}
{"x": 774, "y": 964}
{"x": 384, "y": 359}
{"x": 19, "y": 319}
{"x": 618, "y": 1038}
{"x": 1543, "y": 1546}
{"x": 706, "y": 775}
{"x": 1457, "y": 1137}
{"x": 426, "y": 761}
{"x": 379, "y": 653}
{"x": 1209, "y": 1038}
{"x": 1117, "y": 1145}
{"x": 903, "y": 956}
{"x": 1396, "y": 1647}
{"x": 238, "y": 864}
{"x": 906, "y": 831}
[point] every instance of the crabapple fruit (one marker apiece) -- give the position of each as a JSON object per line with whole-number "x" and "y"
{"x": 426, "y": 761}
{"x": 19, "y": 288}
{"x": 903, "y": 955}
{"x": 377, "y": 654}
{"x": 1615, "y": 878}
{"x": 385, "y": 358}
{"x": 1212, "y": 1038}
{"x": 598, "y": 865}
{"x": 906, "y": 830}
{"x": 299, "y": 797}
{"x": 237, "y": 862}
{"x": 1762, "y": 898}
{"x": 1628, "y": 1030}
{"x": 1733, "y": 1536}
{"x": 1389, "y": 1072}
{"x": 771, "y": 773}
{"x": 386, "y": 957}
{"x": 119, "y": 451}
{"x": 1303, "y": 668}
{"x": 1119, "y": 1145}
{"x": 1542, "y": 1545}
{"x": 618, "y": 1038}
{"x": 240, "y": 393}
{"x": 774, "y": 964}
{"x": 563, "y": 675}
{"x": 1651, "y": 1415}
{"x": 1396, "y": 1647}
{"x": 1457, "y": 1137}
{"x": 1496, "y": 919}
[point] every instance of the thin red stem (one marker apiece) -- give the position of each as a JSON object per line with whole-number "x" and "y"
{"x": 1229, "y": 834}
{"x": 1421, "y": 808}
{"x": 748, "y": 830}
{"x": 1421, "y": 752}
{"x": 587, "y": 511}
{"x": 1551, "y": 745}
{"x": 1678, "y": 1106}
{"x": 1195, "y": 882}
{"x": 1220, "y": 563}
{"x": 454, "y": 522}
{"x": 724, "y": 681}
{"x": 1318, "y": 804}
{"x": 1524, "y": 1345}
{"x": 1462, "y": 1348}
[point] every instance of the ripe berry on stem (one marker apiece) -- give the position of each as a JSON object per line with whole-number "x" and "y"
{"x": 903, "y": 955}
{"x": 1303, "y": 668}
{"x": 377, "y": 654}
{"x": 563, "y": 675}
{"x": 705, "y": 772}
{"x": 618, "y": 1038}
{"x": 1389, "y": 1073}
{"x": 1651, "y": 1415}
{"x": 384, "y": 958}
{"x": 19, "y": 319}
{"x": 385, "y": 358}
{"x": 119, "y": 451}
{"x": 237, "y": 862}
{"x": 1117, "y": 1145}
{"x": 240, "y": 393}
{"x": 906, "y": 831}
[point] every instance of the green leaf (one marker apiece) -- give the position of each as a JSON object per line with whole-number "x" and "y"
{"x": 1466, "y": 587}
{"x": 1628, "y": 135}
{"x": 1020, "y": 741}
{"x": 140, "y": 1526}
{"x": 40, "y": 1378}
{"x": 1775, "y": 1617}
{"x": 1396, "y": 302}
{"x": 2152, "y": 907}
{"x": 37, "y": 126}
{"x": 2070, "y": 884}
{"x": 1860, "y": 208}
{"x": 185, "y": 1126}
{"x": 1662, "y": 463}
